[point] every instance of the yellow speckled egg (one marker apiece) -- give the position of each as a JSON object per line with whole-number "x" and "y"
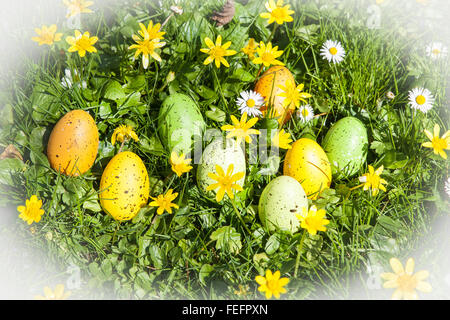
{"x": 271, "y": 80}
{"x": 73, "y": 143}
{"x": 124, "y": 186}
{"x": 308, "y": 163}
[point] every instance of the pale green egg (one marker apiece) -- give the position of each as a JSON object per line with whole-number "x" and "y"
{"x": 279, "y": 203}
{"x": 346, "y": 146}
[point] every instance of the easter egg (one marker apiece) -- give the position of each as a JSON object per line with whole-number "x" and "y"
{"x": 279, "y": 203}
{"x": 73, "y": 143}
{"x": 179, "y": 121}
{"x": 346, "y": 146}
{"x": 307, "y": 162}
{"x": 222, "y": 153}
{"x": 268, "y": 87}
{"x": 124, "y": 186}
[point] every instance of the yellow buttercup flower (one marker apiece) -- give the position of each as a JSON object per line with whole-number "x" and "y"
{"x": 313, "y": 220}
{"x": 217, "y": 52}
{"x": 179, "y": 164}
{"x": 225, "y": 182}
{"x": 438, "y": 144}
{"x": 272, "y": 284}
{"x": 282, "y": 140}
{"x": 372, "y": 180}
{"x": 250, "y": 48}
{"x": 241, "y": 129}
{"x": 268, "y": 55}
{"x": 75, "y": 7}
{"x": 404, "y": 281}
{"x": 82, "y": 43}
{"x": 123, "y": 132}
{"x": 58, "y": 294}
{"x": 32, "y": 211}
{"x": 277, "y": 13}
{"x": 148, "y": 43}
{"x": 293, "y": 95}
{"x": 164, "y": 202}
{"x": 47, "y": 35}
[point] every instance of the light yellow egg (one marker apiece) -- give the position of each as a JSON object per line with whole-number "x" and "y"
{"x": 308, "y": 163}
{"x": 124, "y": 186}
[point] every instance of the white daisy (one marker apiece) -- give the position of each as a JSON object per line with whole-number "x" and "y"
{"x": 305, "y": 113}
{"x": 447, "y": 186}
{"x": 436, "y": 50}
{"x": 332, "y": 51}
{"x": 422, "y": 99}
{"x": 250, "y": 102}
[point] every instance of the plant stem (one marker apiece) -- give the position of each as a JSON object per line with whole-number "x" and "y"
{"x": 275, "y": 25}
{"x": 239, "y": 216}
{"x": 299, "y": 249}
{"x": 286, "y": 110}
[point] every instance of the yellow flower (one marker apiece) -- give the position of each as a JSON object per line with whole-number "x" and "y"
{"x": 179, "y": 164}
{"x": 313, "y": 220}
{"x": 225, "y": 182}
{"x": 405, "y": 281}
{"x": 75, "y": 7}
{"x": 438, "y": 144}
{"x": 58, "y": 294}
{"x": 164, "y": 202}
{"x": 277, "y": 12}
{"x": 47, "y": 35}
{"x": 372, "y": 180}
{"x": 293, "y": 95}
{"x": 272, "y": 284}
{"x": 282, "y": 140}
{"x": 82, "y": 43}
{"x": 123, "y": 132}
{"x": 217, "y": 52}
{"x": 241, "y": 129}
{"x": 268, "y": 55}
{"x": 250, "y": 48}
{"x": 32, "y": 211}
{"x": 148, "y": 43}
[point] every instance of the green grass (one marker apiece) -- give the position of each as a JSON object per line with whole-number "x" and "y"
{"x": 173, "y": 256}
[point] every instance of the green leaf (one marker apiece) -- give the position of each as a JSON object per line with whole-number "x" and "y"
{"x": 152, "y": 145}
{"x": 242, "y": 75}
{"x": 205, "y": 271}
{"x": 273, "y": 243}
{"x": 216, "y": 114}
{"x": 114, "y": 91}
{"x": 9, "y": 167}
{"x": 227, "y": 239}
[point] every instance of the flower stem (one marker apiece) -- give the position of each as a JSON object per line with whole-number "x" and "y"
{"x": 299, "y": 251}
{"x": 239, "y": 216}
{"x": 275, "y": 25}
{"x": 286, "y": 110}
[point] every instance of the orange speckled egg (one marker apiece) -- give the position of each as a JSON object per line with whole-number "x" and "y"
{"x": 73, "y": 143}
{"x": 270, "y": 80}
{"x": 308, "y": 163}
{"x": 124, "y": 186}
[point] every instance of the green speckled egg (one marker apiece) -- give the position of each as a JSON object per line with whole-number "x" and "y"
{"x": 280, "y": 201}
{"x": 222, "y": 153}
{"x": 179, "y": 121}
{"x": 346, "y": 146}
{"x": 124, "y": 186}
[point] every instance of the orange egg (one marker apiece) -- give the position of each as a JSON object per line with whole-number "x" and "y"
{"x": 308, "y": 163}
{"x": 268, "y": 87}
{"x": 73, "y": 143}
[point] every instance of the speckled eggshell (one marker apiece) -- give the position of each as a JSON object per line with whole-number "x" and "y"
{"x": 124, "y": 186}
{"x": 179, "y": 121}
{"x": 222, "y": 154}
{"x": 279, "y": 203}
{"x": 346, "y": 145}
{"x": 73, "y": 143}
{"x": 307, "y": 162}
{"x": 271, "y": 80}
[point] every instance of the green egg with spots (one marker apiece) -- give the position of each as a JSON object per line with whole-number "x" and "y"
{"x": 124, "y": 186}
{"x": 279, "y": 203}
{"x": 179, "y": 122}
{"x": 222, "y": 153}
{"x": 346, "y": 145}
